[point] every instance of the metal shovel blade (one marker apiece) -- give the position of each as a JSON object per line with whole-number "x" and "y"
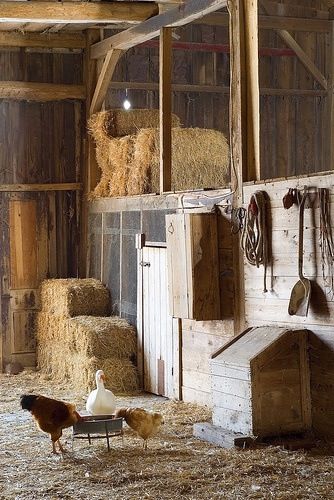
{"x": 300, "y": 298}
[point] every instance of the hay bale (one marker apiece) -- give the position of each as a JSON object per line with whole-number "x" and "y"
{"x": 102, "y": 337}
{"x": 75, "y": 297}
{"x": 200, "y": 159}
{"x": 121, "y": 374}
{"x": 118, "y": 122}
{"x": 130, "y": 165}
{"x": 51, "y": 327}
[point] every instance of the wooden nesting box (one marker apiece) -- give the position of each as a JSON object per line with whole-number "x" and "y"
{"x": 261, "y": 383}
{"x": 193, "y": 266}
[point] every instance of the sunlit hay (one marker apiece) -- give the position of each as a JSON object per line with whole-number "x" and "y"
{"x": 51, "y": 327}
{"x": 117, "y": 167}
{"x": 121, "y": 374}
{"x": 53, "y": 359}
{"x": 75, "y": 297}
{"x": 118, "y": 122}
{"x": 200, "y": 159}
{"x": 139, "y": 179}
{"x": 101, "y": 337}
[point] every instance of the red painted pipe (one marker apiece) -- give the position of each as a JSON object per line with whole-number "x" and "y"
{"x": 214, "y": 47}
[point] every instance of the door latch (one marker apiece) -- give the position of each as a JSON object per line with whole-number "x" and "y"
{"x": 144, "y": 264}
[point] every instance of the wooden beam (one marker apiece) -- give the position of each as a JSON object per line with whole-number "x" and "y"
{"x": 216, "y": 89}
{"x": 272, "y": 22}
{"x": 253, "y": 94}
{"x": 289, "y": 10}
{"x": 300, "y": 53}
{"x": 330, "y": 112}
{"x": 149, "y": 29}
{"x": 217, "y": 47}
{"x": 238, "y": 123}
{"x": 76, "y": 12}
{"x": 303, "y": 57}
{"x": 104, "y": 78}
{"x": 165, "y": 106}
{"x": 40, "y": 187}
{"x": 47, "y": 40}
{"x": 41, "y": 92}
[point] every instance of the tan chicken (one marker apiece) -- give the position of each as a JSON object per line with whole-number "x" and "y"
{"x": 145, "y": 423}
{"x": 51, "y": 415}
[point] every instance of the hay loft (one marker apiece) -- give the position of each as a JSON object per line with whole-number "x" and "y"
{"x": 130, "y": 164}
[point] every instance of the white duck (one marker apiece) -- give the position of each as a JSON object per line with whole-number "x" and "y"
{"x": 101, "y": 401}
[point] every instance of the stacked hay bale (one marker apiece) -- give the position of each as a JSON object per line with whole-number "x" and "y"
{"x": 75, "y": 337}
{"x": 128, "y": 154}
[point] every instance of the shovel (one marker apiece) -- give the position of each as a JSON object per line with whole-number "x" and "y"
{"x": 300, "y": 294}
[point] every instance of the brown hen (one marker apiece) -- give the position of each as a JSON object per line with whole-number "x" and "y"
{"x": 51, "y": 415}
{"x": 145, "y": 423}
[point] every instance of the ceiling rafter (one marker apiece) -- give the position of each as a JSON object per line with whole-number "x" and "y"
{"x": 75, "y": 12}
{"x": 179, "y": 16}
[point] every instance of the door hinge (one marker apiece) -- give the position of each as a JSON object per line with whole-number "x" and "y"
{"x": 144, "y": 264}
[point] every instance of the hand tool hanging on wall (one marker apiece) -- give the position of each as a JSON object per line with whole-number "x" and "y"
{"x": 300, "y": 294}
{"x": 326, "y": 241}
{"x": 254, "y": 241}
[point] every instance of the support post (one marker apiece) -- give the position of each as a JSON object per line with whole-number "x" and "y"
{"x": 165, "y": 100}
{"x": 238, "y": 122}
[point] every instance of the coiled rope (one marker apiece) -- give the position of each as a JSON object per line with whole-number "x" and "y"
{"x": 326, "y": 241}
{"x": 254, "y": 241}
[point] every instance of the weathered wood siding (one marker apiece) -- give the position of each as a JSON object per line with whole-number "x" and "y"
{"x": 115, "y": 263}
{"x": 195, "y": 109}
{"x": 40, "y": 143}
{"x": 271, "y": 308}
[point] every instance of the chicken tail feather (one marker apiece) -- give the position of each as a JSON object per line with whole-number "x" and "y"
{"x": 27, "y": 401}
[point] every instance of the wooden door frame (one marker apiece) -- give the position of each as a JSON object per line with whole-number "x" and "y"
{"x": 176, "y": 325}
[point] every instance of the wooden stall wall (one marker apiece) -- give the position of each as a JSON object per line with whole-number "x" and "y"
{"x": 294, "y": 107}
{"x": 271, "y": 308}
{"x": 40, "y": 144}
{"x": 113, "y": 225}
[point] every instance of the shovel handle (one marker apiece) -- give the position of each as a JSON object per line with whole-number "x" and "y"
{"x": 301, "y": 237}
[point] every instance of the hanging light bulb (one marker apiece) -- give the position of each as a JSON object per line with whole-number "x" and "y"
{"x": 126, "y": 102}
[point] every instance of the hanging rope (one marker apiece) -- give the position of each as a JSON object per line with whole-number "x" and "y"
{"x": 326, "y": 241}
{"x": 254, "y": 241}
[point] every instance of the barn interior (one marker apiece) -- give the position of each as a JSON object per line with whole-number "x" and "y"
{"x": 151, "y": 155}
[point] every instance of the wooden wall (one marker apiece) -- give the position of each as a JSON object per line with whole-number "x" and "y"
{"x": 271, "y": 308}
{"x": 40, "y": 143}
{"x": 294, "y": 107}
{"x": 113, "y": 259}
{"x": 190, "y": 67}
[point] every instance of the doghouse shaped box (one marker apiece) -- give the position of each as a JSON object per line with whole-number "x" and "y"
{"x": 261, "y": 383}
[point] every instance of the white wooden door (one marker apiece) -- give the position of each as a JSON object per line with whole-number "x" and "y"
{"x": 157, "y": 324}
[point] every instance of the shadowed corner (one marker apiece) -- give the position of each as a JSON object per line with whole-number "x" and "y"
{"x": 319, "y": 300}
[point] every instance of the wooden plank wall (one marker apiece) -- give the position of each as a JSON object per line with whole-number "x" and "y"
{"x": 271, "y": 308}
{"x": 110, "y": 257}
{"x": 291, "y": 126}
{"x": 195, "y": 109}
{"x": 40, "y": 143}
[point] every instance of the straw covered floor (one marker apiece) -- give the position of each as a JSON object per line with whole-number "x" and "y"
{"x": 175, "y": 465}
